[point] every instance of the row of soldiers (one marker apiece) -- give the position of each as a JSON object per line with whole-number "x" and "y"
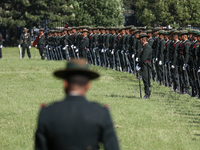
{"x": 175, "y": 54}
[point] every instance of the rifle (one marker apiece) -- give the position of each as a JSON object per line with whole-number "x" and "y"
{"x": 107, "y": 57}
{"x": 128, "y": 63}
{"x": 95, "y": 57}
{"x": 177, "y": 74}
{"x": 104, "y": 56}
{"x": 187, "y": 81}
{"x": 134, "y": 65}
{"x": 170, "y": 81}
{"x": 124, "y": 64}
{"x": 114, "y": 60}
{"x": 120, "y": 66}
{"x": 20, "y": 52}
{"x": 92, "y": 62}
{"x": 138, "y": 76}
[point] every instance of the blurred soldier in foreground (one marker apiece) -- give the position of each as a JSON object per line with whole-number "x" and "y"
{"x": 25, "y": 42}
{"x": 145, "y": 63}
{"x": 75, "y": 123}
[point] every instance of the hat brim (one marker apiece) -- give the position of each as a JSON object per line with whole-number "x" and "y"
{"x": 144, "y": 36}
{"x": 63, "y": 74}
{"x": 180, "y": 34}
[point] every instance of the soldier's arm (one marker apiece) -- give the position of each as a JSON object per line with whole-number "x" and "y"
{"x": 162, "y": 50}
{"x": 145, "y": 55}
{"x": 40, "y": 135}
{"x": 175, "y": 55}
{"x": 187, "y": 53}
{"x": 109, "y": 137}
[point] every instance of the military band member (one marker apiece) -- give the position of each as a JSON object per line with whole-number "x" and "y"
{"x": 25, "y": 42}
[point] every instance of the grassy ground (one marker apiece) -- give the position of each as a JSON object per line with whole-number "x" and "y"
{"x": 167, "y": 121}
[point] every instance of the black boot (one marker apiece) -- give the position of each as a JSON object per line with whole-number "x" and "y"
{"x": 146, "y": 96}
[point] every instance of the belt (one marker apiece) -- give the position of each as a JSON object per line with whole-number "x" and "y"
{"x": 147, "y": 61}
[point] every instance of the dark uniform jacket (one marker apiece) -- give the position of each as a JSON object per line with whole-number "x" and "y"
{"x": 41, "y": 41}
{"x": 160, "y": 54}
{"x": 25, "y": 39}
{"x": 74, "y": 124}
{"x": 1, "y": 39}
{"x": 145, "y": 55}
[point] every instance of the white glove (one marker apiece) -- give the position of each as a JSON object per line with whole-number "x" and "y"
{"x": 88, "y": 49}
{"x": 122, "y": 52}
{"x": 94, "y": 50}
{"x": 136, "y": 59}
{"x": 74, "y": 47}
{"x": 133, "y": 55}
{"x": 64, "y": 48}
{"x": 1, "y": 46}
{"x": 19, "y": 46}
{"x": 102, "y": 50}
{"x": 112, "y": 52}
{"x": 156, "y": 59}
{"x": 47, "y": 46}
{"x": 66, "y": 45}
{"x": 138, "y": 68}
{"x": 35, "y": 46}
{"x": 160, "y": 62}
{"x": 172, "y": 66}
{"x": 198, "y": 70}
{"x": 76, "y": 50}
{"x": 184, "y": 67}
{"x": 29, "y": 47}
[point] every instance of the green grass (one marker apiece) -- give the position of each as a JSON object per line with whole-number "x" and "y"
{"x": 167, "y": 121}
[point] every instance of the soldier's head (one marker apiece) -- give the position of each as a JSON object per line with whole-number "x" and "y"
{"x": 102, "y": 30}
{"x": 107, "y": 30}
{"x": 85, "y": 32}
{"x": 136, "y": 33}
{"x": 143, "y": 37}
{"x": 184, "y": 35}
{"x": 156, "y": 31}
{"x": 149, "y": 33}
{"x": 41, "y": 31}
{"x": 76, "y": 76}
{"x": 74, "y": 30}
{"x": 161, "y": 34}
{"x": 94, "y": 30}
{"x": 112, "y": 30}
{"x": 25, "y": 30}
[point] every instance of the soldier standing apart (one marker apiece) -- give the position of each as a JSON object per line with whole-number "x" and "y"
{"x": 1, "y": 45}
{"x": 41, "y": 43}
{"x": 84, "y": 43}
{"x": 145, "y": 63}
{"x": 25, "y": 42}
{"x": 75, "y": 123}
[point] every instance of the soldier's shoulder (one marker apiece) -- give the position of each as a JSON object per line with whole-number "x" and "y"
{"x": 47, "y": 106}
{"x": 99, "y": 106}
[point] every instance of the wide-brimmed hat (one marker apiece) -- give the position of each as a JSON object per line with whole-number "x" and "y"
{"x": 76, "y": 67}
{"x": 136, "y": 31}
{"x": 161, "y": 32}
{"x": 25, "y": 29}
{"x": 41, "y": 29}
{"x": 149, "y": 31}
{"x": 183, "y": 32}
{"x": 156, "y": 29}
{"x": 143, "y": 35}
{"x": 85, "y": 30}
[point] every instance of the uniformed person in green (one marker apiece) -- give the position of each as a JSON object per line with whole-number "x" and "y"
{"x": 1, "y": 45}
{"x": 75, "y": 123}
{"x": 84, "y": 43}
{"x": 25, "y": 42}
{"x": 41, "y": 43}
{"x": 145, "y": 63}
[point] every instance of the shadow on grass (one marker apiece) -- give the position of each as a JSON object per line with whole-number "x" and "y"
{"x": 122, "y": 96}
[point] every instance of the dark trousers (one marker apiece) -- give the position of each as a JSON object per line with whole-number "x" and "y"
{"x": 41, "y": 50}
{"x": 145, "y": 72}
{"x": 24, "y": 47}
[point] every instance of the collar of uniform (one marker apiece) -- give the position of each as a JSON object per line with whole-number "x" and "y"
{"x": 177, "y": 41}
{"x": 150, "y": 38}
{"x": 195, "y": 41}
{"x": 74, "y": 97}
{"x": 145, "y": 43}
{"x": 167, "y": 41}
{"x": 185, "y": 40}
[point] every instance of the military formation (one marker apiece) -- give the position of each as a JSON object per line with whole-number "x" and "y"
{"x": 169, "y": 57}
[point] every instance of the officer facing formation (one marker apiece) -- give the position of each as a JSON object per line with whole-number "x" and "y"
{"x": 25, "y": 42}
{"x": 41, "y": 43}
{"x": 75, "y": 123}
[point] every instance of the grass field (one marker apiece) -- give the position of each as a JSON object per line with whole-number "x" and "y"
{"x": 167, "y": 121}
